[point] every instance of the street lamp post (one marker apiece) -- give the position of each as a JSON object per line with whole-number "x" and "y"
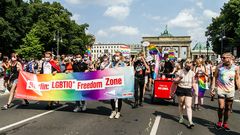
{"x": 57, "y": 38}
{"x": 222, "y": 38}
{"x": 200, "y": 50}
{"x": 208, "y": 45}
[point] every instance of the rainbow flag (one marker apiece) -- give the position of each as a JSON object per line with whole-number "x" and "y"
{"x": 88, "y": 52}
{"x": 171, "y": 54}
{"x": 152, "y": 49}
{"x": 202, "y": 83}
{"x": 157, "y": 60}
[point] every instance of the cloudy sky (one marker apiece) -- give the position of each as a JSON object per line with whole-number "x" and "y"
{"x": 126, "y": 21}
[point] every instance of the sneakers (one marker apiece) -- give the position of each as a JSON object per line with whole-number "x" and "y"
{"x": 225, "y": 126}
{"x": 5, "y": 107}
{"x": 49, "y": 107}
{"x": 84, "y": 108}
{"x": 195, "y": 108}
{"x": 80, "y": 108}
{"x": 77, "y": 109}
{"x": 135, "y": 105}
{"x": 117, "y": 116}
{"x": 181, "y": 120}
{"x": 191, "y": 125}
{"x": 2, "y": 91}
{"x": 6, "y": 91}
{"x": 113, "y": 114}
{"x": 219, "y": 125}
{"x": 140, "y": 104}
{"x": 26, "y": 103}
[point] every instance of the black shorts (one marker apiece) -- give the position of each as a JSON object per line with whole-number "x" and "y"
{"x": 6, "y": 78}
{"x": 184, "y": 92}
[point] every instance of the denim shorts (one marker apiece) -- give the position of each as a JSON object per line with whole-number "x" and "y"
{"x": 224, "y": 94}
{"x": 15, "y": 81}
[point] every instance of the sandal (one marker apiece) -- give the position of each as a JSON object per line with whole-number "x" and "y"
{"x": 6, "y": 107}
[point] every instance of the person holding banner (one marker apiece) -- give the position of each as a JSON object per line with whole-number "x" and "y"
{"x": 49, "y": 67}
{"x": 106, "y": 62}
{"x": 80, "y": 66}
{"x": 118, "y": 61}
{"x": 15, "y": 67}
{"x": 141, "y": 69}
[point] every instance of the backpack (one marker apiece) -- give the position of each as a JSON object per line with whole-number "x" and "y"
{"x": 29, "y": 67}
{"x": 35, "y": 65}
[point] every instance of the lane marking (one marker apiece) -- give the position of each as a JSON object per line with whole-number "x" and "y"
{"x": 155, "y": 126}
{"x": 31, "y": 118}
{"x": 149, "y": 125}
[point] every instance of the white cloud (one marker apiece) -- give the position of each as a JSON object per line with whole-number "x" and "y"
{"x": 118, "y": 9}
{"x": 73, "y": 1}
{"x": 124, "y": 30}
{"x": 117, "y": 12}
{"x": 102, "y": 33}
{"x": 152, "y": 17}
{"x": 197, "y": 34}
{"x": 101, "y": 2}
{"x": 147, "y": 35}
{"x": 200, "y": 4}
{"x": 76, "y": 17}
{"x": 210, "y": 14}
{"x": 185, "y": 19}
{"x": 117, "y": 2}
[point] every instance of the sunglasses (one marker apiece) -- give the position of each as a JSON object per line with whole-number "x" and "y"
{"x": 225, "y": 57}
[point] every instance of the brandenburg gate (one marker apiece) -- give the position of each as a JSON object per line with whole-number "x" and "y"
{"x": 181, "y": 44}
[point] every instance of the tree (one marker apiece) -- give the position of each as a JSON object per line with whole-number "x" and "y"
{"x": 18, "y": 18}
{"x": 31, "y": 48}
{"x": 228, "y": 24}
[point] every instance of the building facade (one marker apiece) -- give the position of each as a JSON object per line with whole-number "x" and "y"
{"x": 99, "y": 50}
{"x": 135, "y": 49}
{"x": 201, "y": 50}
{"x": 166, "y": 41}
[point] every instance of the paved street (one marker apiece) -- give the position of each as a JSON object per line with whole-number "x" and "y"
{"x": 95, "y": 120}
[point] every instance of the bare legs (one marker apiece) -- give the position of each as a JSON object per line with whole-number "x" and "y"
{"x": 187, "y": 101}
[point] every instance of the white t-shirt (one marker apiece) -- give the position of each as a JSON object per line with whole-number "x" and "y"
{"x": 187, "y": 78}
{"x": 47, "y": 68}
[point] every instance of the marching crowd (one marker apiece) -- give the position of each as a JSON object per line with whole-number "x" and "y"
{"x": 192, "y": 79}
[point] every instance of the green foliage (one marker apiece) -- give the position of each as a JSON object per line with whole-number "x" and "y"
{"x": 37, "y": 22}
{"x": 31, "y": 48}
{"x": 229, "y": 20}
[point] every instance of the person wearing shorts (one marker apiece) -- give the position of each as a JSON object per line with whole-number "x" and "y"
{"x": 7, "y": 72}
{"x": 224, "y": 79}
{"x": 16, "y": 67}
{"x": 185, "y": 81}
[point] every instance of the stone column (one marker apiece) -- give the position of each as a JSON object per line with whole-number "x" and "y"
{"x": 179, "y": 52}
{"x": 188, "y": 52}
